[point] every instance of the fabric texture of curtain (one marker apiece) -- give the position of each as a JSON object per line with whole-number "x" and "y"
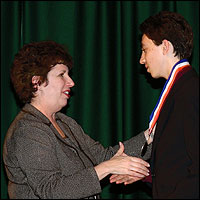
{"x": 113, "y": 96}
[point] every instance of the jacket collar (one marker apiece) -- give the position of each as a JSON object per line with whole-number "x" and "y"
{"x": 28, "y": 108}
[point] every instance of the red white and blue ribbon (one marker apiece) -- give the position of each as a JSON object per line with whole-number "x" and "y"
{"x": 165, "y": 91}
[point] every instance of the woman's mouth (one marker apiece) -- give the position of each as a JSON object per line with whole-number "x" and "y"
{"x": 67, "y": 93}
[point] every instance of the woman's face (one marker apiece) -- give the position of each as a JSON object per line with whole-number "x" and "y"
{"x": 56, "y": 93}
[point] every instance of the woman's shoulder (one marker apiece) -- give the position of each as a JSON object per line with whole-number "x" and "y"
{"x": 26, "y": 124}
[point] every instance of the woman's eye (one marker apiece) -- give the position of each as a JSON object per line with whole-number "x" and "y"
{"x": 62, "y": 74}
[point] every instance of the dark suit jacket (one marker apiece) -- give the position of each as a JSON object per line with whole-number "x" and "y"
{"x": 175, "y": 150}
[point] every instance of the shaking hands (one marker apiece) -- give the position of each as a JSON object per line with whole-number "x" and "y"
{"x": 139, "y": 170}
{"x": 124, "y": 169}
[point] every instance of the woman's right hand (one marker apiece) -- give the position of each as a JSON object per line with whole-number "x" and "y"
{"x": 121, "y": 163}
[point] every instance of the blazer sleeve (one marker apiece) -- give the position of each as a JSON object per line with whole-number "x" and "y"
{"x": 132, "y": 146}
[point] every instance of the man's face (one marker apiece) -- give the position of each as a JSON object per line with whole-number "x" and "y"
{"x": 152, "y": 57}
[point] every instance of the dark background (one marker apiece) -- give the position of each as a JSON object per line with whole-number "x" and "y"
{"x": 113, "y": 95}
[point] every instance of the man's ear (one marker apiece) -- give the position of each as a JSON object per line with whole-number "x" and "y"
{"x": 166, "y": 46}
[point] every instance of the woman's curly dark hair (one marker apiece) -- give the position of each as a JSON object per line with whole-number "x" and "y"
{"x": 172, "y": 27}
{"x": 36, "y": 59}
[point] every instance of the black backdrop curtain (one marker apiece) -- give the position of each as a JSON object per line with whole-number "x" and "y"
{"x": 113, "y": 95}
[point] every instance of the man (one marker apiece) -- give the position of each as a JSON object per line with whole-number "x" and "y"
{"x": 167, "y": 43}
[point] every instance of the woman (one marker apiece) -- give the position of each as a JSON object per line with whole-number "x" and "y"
{"x": 46, "y": 153}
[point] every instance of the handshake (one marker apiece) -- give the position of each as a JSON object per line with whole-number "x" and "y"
{"x": 123, "y": 168}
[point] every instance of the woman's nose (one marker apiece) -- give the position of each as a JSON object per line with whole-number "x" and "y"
{"x": 70, "y": 82}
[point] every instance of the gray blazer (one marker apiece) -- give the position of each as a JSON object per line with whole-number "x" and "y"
{"x": 41, "y": 164}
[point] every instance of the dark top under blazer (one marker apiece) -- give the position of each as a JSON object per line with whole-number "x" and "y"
{"x": 40, "y": 164}
{"x": 175, "y": 150}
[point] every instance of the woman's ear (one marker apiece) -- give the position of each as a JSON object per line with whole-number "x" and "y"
{"x": 36, "y": 81}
